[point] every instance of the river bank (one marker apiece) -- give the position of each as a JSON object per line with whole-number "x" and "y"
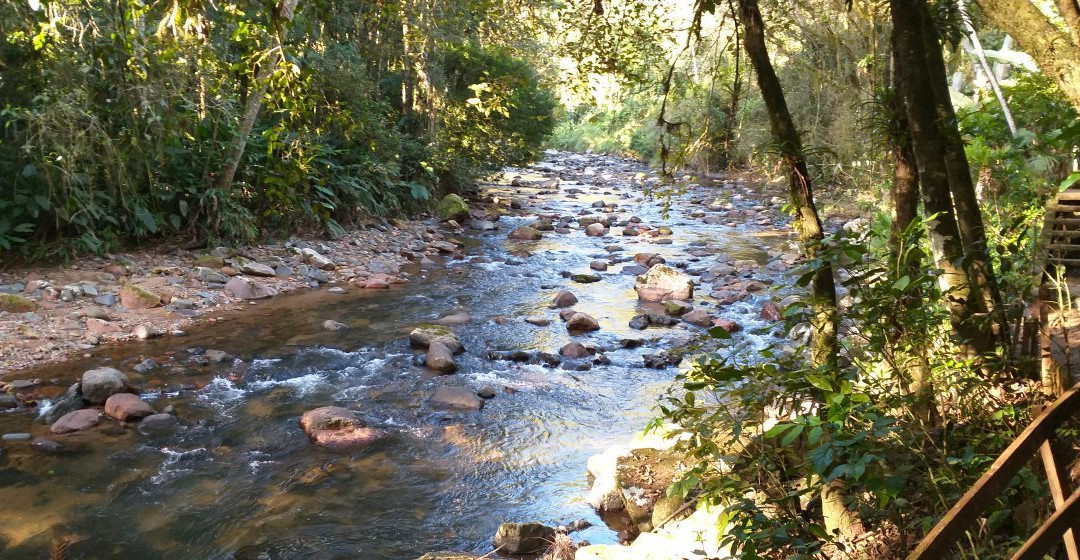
{"x": 235, "y": 477}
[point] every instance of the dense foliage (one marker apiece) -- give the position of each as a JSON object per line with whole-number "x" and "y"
{"x": 120, "y": 118}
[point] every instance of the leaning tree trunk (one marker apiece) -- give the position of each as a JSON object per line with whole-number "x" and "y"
{"x": 984, "y": 289}
{"x": 1057, "y": 52}
{"x": 235, "y": 153}
{"x": 929, "y": 147}
{"x": 824, "y": 346}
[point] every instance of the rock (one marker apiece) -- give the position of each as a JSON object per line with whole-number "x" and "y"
{"x": 126, "y": 406}
{"x": 209, "y": 261}
{"x": 677, "y": 308}
{"x": 100, "y": 326}
{"x": 452, "y": 207}
{"x": 523, "y": 538}
{"x": 649, "y": 260}
{"x": 585, "y": 278}
{"x": 146, "y": 365}
{"x": 107, "y": 300}
{"x": 210, "y": 276}
{"x": 332, "y": 325}
{"x": 97, "y": 385}
{"x": 639, "y": 322}
{"x": 526, "y": 233}
{"x": 8, "y": 402}
{"x": 246, "y": 288}
{"x": 486, "y": 392}
{"x": 316, "y": 259}
{"x": 456, "y": 319}
{"x": 698, "y": 318}
{"x": 46, "y": 445}
{"x": 133, "y": 296}
{"x": 144, "y": 332}
{"x": 538, "y": 321}
{"x": 596, "y": 230}
{"x": 218, "y": 356}
{"x": 643, "y": 477}
{"x": 76, "y": 421}
{"x": 16, "y": 436}
{"x": 582, "y": 322}
{"x": 424, "y": 335}
{"x": 440, "y": 358}
{"x": 574, "y": 350}
{"x": 456, "y": 397}
{"x": 770, "y": 311}
{"x": 253, "y": 268}
{"x": 450, "y": 556}
{"x": 662, "y": 283}
{"x": 598, "y": 265}
{"x": 17, "y": 304}
{"x": 336, "y": 290}
{"x": 727, "y": 324}
{"x": 604, "y": 494}
{"x": 483, "y": 225}
{"x": 336, "y": 427}
{"x": 663, "y": 230}
{"x": 157, "y": 424}
{"x": 564, "y": 298}
{"x": 183, "y": 303}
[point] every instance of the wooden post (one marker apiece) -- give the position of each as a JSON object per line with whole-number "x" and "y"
{"x": 1053, "y": 458}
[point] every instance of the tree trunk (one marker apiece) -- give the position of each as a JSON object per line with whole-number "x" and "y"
{"x": 985, "y": 296}
{"x": 929, "y": 146}
{"x": 824, "y": 347}
{"x": 911, "y": 362}
{"x": 1054, "y": 50}
{"x": 254, "y": 101}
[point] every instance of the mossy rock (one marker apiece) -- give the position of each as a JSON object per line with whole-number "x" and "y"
{"x": 210, "y": 261}
{"x": 424, "y": 335}
{"x": 16, "y": 304}
{"x": 452, "y": 207}
{"x": 585, "y": 278}
{"x": 133, "y": 296}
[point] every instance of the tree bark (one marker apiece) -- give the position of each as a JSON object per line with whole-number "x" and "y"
{"x": 1057, "y": 54}
{"x": 253, "y": 105}
{"x": 930, "y": 146}
{"x": 823, "y": 346}
{"x": 985, "y": 296}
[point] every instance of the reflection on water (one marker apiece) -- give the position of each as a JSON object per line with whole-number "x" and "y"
{"x": 239, "y": 480}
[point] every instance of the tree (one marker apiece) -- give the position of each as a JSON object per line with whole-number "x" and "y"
{"x": 824, "y": 345}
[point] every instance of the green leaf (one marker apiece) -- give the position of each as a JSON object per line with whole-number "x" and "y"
{"x": 778, "y": 429}
{"x": 719, "y": 332}
{"x": 792, "y": 435}
{"x": 819, "y": 382}
{"x": 902, "y": 283}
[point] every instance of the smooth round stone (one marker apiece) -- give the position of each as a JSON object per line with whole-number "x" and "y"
{"x": 15, "y": 436}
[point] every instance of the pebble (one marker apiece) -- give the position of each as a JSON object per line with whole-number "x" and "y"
{"x": 15, "y": 436}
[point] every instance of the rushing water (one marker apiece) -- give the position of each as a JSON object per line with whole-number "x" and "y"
{"x": 238, "y": 479}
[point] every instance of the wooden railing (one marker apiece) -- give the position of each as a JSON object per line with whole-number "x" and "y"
{"x": 1063, "y": 525}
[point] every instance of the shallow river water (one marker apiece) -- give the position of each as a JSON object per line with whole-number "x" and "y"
{"x": 238, "y": 478}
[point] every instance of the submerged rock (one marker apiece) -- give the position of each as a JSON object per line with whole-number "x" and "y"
{"x": 456, "y": 397}
{"x": 526, "y": 233}
{"x": 337, "y": 427}
{"x": 440, "y": 358}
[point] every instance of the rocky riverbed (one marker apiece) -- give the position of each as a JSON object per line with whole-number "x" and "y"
{"x": 424, "y": 382}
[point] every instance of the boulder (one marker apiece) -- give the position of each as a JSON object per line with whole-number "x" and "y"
{"x": 582, "y": 322}
{"x": 585, "y": 278}
{"x": 133, "y": 296}
{"x": 662, "y": 283}
{"x": 336, "y": 427}
{"x": 643, "y": 477}
{"x": 316, "y": 259}
{"x": 126, "y": 406}
{"x": 210, "y": 276}
{"x": 564, "y": 298}
{"x": 97, "y": 385}
{"x": 246, "y": 288}
{"x": 424, "y": 335}
{"x": 76, "y": 421}
{"x": 456, "y": 397}
{"x": 574, "y": 350}
{"x": 452, "y": 207}
{"x": 440, "y": 358}
{"x": 523, "y": 538}
{"x": 526, "y": 233}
